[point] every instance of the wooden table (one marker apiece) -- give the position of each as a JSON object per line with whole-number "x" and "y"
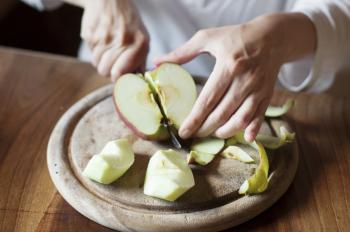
{"x": 36, "y": 89}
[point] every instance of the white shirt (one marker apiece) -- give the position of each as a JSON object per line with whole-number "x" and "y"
{"x": 171, "y": 23}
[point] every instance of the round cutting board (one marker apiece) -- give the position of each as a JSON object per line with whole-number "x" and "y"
{"x": 212, "y": 204}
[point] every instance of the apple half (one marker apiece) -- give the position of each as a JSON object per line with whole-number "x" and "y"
{"x": 168, "y": 176}
{"x": 203, "y": 151}
{"x": 176, "y": 90}
{"x": 111, "y": 163}
{"x": 145, "y": 103}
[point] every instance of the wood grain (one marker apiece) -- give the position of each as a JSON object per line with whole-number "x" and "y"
{"x": 36, "y": 89}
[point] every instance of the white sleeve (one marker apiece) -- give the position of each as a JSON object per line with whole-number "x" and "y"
{"x": 332, "y": 22}
{"x": 44, "y": 4}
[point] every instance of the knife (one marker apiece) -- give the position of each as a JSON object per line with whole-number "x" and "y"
{"x": 165, "y": 122}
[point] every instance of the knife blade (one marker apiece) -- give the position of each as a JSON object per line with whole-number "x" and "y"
{"x": 165, "y": 122}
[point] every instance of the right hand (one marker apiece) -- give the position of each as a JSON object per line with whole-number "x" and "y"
{"x": 116, "y": 36}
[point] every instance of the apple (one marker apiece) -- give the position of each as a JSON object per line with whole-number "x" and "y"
{"x": 204, "y": 150}
{"x": 277, "y": 111}
{"x": 164, "y": 94}
{"x": 136, "y": 105}
{"x": 258, "y": 182}
{"x": 176, "y": 90}
{"x": 167, "y": 176}
{"x": 111, "y": 163}
{"x": 237, "y": 153}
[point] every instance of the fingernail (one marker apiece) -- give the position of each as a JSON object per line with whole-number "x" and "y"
{"x": 184, "y": 133}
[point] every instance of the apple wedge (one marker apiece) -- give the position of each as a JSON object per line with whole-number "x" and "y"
{"x": 201, "y": 158}
{"x": 136, "y": 106}
{"x": 204, "y": 150}
{"x": 167, "y": 176}
{"x": 237, "y": 153}
{"x": 114, "y": 160}
{"x": 278, "y": 111}
{"x": 176, "y": 90}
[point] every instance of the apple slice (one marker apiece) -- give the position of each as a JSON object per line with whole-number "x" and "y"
{"x": 113, "y": 161}
{"x": 136, "y": 106}
{"x": 277, "y": 111}
{"x": 273, "y": 142}
{"x": 237, "y": 153}
{"x": 258, "y": 182}
{"x": 201, "y": 158}
{"x": 176, "y": 90}
{"x": 208, "y": 145}
{"x": 167, "y": 176}
{"x": 204, "y": 150}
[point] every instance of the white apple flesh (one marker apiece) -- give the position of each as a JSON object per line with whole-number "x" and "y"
{"x": 176, "y": 90}
{"x": 136, "y": 106}
{"x": 237, "y": 153}
{"x": 167, "y": 176}
{"x": 114, "y": 160}
{"x": 201, "y": 158}
{"x": 203, "y": 150}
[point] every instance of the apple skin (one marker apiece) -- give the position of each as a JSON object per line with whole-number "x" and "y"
{"x": 161, "y": 134}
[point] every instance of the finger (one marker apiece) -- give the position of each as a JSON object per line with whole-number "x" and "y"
{"x": 239, "y": 89}
{"x": 107, "y": 60}
{"x": 240, "y": 119}
{"x": 88, "y": 27}
{"x": 184, "y": 53}
{"x": 99, "y": 50}
{"x": 130, "y": 60}
{"x": 254, "y": 126}
{"x": 216, "y": 86}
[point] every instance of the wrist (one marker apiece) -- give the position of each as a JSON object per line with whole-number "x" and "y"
{"x": 290, "y": 35}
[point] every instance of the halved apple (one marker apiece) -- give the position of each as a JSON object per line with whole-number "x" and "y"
{"x": 114, "y": 160}
{"x": 167, "y": 176}
{"x": 136, "y": 106}
{"x": 166, "y": 94}
{"x": 176, "y": 90}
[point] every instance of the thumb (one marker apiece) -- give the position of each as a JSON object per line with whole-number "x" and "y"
{"x": 182, "y": 54}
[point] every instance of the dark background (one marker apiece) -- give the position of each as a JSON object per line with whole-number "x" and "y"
{"x": 54, "y": 31}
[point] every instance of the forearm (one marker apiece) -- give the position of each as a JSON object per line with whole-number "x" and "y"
{"x": 290, "y": 35}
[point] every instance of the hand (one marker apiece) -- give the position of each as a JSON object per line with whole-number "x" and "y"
{"x": 116, "y": 36}
{"x": 239, "y": 89}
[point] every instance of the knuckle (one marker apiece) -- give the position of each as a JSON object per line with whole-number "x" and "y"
{"x": 201, "y": 34}
{"x": 196, "y": 120}
{"x": 222, "y": 116}
{"x": 210, "y": 101}
{"x": 242, "y": 122}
